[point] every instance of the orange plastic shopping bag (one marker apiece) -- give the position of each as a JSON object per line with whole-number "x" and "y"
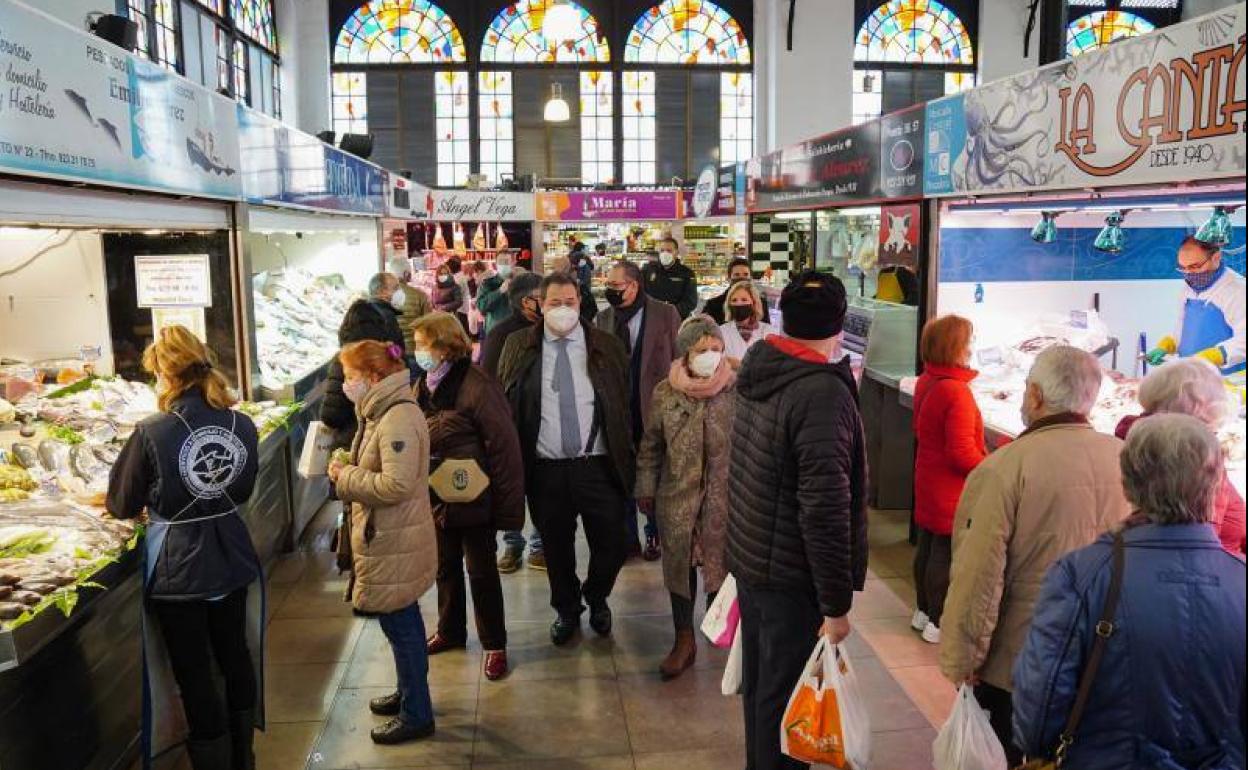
{"x": 826, "y": 721}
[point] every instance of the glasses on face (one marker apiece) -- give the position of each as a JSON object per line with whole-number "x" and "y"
{"x": 619, "y": 285}
{"x": 1199, "y": 267}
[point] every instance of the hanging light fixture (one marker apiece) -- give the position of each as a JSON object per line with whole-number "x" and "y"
{"x": 557, "y": 110}
{"x": 1045, "y": 230}
{"x": 561, "y": 23}
{"x": 1216, "y": 231}
{"x": 1111, "y": 238}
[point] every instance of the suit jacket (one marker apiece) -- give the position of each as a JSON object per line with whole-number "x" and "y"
{"x": 658, "y": 346}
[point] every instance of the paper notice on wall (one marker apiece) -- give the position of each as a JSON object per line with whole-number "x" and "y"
{"x": 190, "y": 317}
{"x": 177, "y": 280}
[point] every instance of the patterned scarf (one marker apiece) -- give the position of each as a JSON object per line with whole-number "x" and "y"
{"x": 698, "y": 388}
{"x": 434, "y": 377}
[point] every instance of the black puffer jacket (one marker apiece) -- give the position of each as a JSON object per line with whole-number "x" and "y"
{"x": 797, "y": 506}
{"x": 365, "y": 320}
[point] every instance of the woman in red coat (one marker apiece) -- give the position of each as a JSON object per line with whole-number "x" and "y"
{"x": 949, "y": 432}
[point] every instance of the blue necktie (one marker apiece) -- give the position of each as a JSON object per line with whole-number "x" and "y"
{"x": 565, "y": 386}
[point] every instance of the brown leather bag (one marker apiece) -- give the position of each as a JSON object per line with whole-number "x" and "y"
{"x": 1104, "y": 629}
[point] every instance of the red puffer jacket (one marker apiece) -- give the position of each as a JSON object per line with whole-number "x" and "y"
{"x": 949, "y": 431}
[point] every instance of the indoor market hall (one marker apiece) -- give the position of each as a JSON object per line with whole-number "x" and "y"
{"x": 623, "y": 384}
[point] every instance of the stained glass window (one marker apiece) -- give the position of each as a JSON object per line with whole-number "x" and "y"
{"x": 158, "y": 30}
{"x": 138, "y": 14}
{"x": 350, "y": 103}
{"x": 399, "y": 31}
{"x": 242, "y": 72}
{"x": 497, "y": 138}
{"x": 597, "y": 132}
{"x": 639, "y": 128}
{"x": 225, "y": 60}
{"x": 216, "y": 6}
{"x": 515, "y": 35}
{"x": 736, "y": 116}
{"x": 451, "y": 127}
{"x": 869, "y": 91}
{"x": 1100, "y": 28}
{"x": 687, "y": 32}
{"x": 254, "y": 18}
{"x": 914, "y": 32}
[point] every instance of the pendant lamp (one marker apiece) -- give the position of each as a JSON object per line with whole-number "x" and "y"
{"x": 557, "y": 110}
{"x": 1216, "y": 231}
{"x": 1111, "y": 239}
{"x": 1045, "y": 230}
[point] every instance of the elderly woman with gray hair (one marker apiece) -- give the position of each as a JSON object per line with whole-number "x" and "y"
{"x": 1168, "y": 691}
{"x": 1193, "y": 386}
{"x": 682, "y": 475}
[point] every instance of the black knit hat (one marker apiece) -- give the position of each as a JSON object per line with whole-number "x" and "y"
{"x": 813, "y": 306}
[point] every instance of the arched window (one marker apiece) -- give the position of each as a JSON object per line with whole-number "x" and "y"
{"x": 254, "y": 18}
{"x": 1100, "y": 28}
{"x": 515, "y": 36}
{"x": 399, "y": 31}
{"x": 697, "y": 34}
{"x": 907, "y": 51}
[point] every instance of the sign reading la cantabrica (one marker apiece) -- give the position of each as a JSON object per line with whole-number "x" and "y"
{"x": 1165, "y": 112}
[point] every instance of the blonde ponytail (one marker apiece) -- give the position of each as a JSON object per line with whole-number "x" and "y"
{"x": 183, "y": 362}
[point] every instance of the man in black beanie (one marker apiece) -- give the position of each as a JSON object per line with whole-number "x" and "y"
{"x": 797, "y": 527}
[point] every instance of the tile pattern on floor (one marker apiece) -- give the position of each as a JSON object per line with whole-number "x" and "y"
{"x": 595, "y": 704}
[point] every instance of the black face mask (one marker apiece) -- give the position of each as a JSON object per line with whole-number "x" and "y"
{"x": 741, "y": 312}
{"x": 615, "y": 297}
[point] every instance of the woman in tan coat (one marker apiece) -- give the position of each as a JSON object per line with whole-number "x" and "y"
{"x": 682, "y": 475}
{"x": 393, "y": 552}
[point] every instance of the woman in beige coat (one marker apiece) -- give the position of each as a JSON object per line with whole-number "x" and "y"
{"x": 392, "y": 548}
{"x": 682, "y": 475}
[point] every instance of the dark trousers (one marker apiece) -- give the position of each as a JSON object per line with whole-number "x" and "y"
{"x": 1000, "y": 707}
{"x": 197, "y": 633}
{"x": 563, "y": 490}
{"x": 477, "y": 546}
{"x": 682, "y": 608}
{"x": 405, "y": 630}
{"x": 931, "y": 573}
{"x": 780, "y": 628}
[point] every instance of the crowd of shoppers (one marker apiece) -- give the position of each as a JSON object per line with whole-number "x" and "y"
{"x": 1090, "y": 591}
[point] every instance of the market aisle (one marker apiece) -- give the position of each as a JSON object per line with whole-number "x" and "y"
{"x": 597, "y": 703}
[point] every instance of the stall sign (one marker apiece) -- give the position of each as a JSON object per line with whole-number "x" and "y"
{"x": 76, "y": 107}
{"x": 841, "y": 167}
{"x": 474, "y": 206}
{"x": 285, "y": 167}
{"x": 724, "y": 200}
{"x": 705, "y": 192}
{"x": 901, "y": 153}
{"x": 617, "y": 205}
{"x": 1162, "y": 108}
{"x": 173, "y": 280}
{"x": 406, "y": 199}
{"x": 899, "y": 235}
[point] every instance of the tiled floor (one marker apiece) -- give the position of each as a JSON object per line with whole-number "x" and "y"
{"x": 597, "y": 703}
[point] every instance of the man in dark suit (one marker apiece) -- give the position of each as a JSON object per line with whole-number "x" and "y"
{"x": 567, "y": 384}
{"x": 648, "y": 328}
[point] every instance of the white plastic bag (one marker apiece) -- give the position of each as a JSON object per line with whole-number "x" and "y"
{"x": 966, "y": 741}
{"x": 731, "y": 683}
{"x": 724, "y": 615}
{"x": 318, "y": 444}
{"x": 826, "y": 720}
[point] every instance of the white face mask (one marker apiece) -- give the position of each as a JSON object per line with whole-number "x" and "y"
{"x": 666, "y": 258}
{"x": 561, "y": 320}
{"x": 397, "y": 299}
{"x": 504, "y": 269}
{"x": 705, "y": 363}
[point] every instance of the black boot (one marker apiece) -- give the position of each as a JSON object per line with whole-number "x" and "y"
{"x": 242, "y": 732}
{"x": 213, "y": 754}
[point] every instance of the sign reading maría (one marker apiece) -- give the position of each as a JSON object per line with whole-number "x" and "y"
{"x": 1165, "y": 107}
{"x": 75, "y": 107}
{"x": 173, "y": 281}
{"x": 610, "y": 205}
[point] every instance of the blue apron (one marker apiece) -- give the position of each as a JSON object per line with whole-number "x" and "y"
{"x": 164, "y": 723}
{"x": 1204, "y": 327}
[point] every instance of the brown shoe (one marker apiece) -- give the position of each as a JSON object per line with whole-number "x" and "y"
{"x": 439, "y": 644}
{"x": 496, "y": 665}
{"x": 684, "y": 653}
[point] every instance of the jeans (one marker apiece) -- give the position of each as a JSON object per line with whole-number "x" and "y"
{"x": 477, "y": 547}
{"x": 197, "y": 633}
{"x": 514, "y": 538}
{"x": 931, "y": 573}
{"x": 405, "y": 630}
{"x": 779, "y": 628}
{"x": 1000, "y": 707}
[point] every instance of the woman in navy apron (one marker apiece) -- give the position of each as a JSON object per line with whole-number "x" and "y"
{"x": 191, "y": 466}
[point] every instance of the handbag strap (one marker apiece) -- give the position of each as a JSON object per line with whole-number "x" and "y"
{"x": 1105, "y": 628}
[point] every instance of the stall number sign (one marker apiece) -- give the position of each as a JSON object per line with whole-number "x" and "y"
{"x": 181, "y": 280}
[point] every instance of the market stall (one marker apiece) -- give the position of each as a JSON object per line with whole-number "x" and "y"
{"x": 848, "y": 203}
{"x": 309, "y": 240}
{"x": 715, "y": 229}
{"x": 1061, "y": 222}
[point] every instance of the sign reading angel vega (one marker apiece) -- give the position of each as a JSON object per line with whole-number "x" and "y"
{"x": 1165, "y": 107}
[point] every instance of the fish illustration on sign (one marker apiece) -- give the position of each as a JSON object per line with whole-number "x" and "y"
{"x": 111, "y": 130}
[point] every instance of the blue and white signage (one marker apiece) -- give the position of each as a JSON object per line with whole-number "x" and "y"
{"x": 285, "y": 167}
{"x": 76, "y": 107}
{"x": 946, "y": 138}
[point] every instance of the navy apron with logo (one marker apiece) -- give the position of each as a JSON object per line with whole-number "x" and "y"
{"x": 203, "y": 478}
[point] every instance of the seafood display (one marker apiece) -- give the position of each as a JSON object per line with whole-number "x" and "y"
{"x": 297, "y": 316}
